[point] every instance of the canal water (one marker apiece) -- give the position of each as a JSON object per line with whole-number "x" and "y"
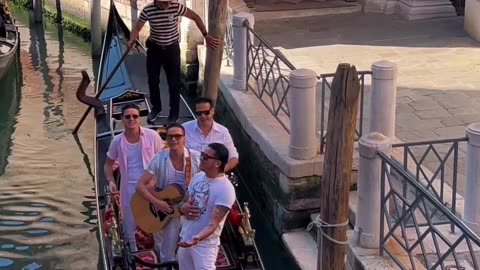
{"x": 47, "y": 206}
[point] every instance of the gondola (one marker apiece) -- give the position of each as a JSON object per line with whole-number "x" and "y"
{"x": 128, "y": 85}
{"x": 9, "y": 39}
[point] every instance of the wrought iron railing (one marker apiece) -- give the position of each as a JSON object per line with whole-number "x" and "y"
{"x": 434, "y": 164}
{"x": 267, "y": 76}
{"x": 326, "y": 81}
{"x": 409, "y": 233}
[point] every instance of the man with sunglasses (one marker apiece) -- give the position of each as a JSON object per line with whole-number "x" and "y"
{"x": 206, "y": 205}
{"x": 174, "y": 165}
{"x": 132, "y": 149}
{"x": 204, "y": 130}
{"x": 163, "y": 50}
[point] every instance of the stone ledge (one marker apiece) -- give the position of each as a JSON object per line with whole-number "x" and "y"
{"x": 302, "y": 247}
{"x": 262, "y": 127}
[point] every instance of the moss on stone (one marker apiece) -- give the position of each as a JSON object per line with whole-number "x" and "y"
{"x": 69, "y": 22}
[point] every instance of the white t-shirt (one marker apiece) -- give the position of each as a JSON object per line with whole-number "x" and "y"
{"x": 134, "y": 162}
{"x": 206, "y": 193}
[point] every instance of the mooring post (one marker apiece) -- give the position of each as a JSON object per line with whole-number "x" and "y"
{"x": 337, "y": 168}
{"x": 38, "y": 10}
{"x": 96, "y": 27}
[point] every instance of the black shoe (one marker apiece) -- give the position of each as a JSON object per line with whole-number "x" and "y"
{"x": 153, "y": 114}
{"x": 172, "y": 118}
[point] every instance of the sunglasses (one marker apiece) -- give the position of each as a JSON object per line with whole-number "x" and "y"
{"x": 200, "y": 113}
{"x": 128, "y": 116}
{"x": 174, "y": 136}
{"x": 206, "y": 157}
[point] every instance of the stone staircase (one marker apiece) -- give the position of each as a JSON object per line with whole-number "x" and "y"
{"x": 426, "y": 9}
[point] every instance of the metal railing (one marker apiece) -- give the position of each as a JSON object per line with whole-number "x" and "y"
{"x": 326, "y": 80}
{"x": 267, "y": 76}
{"x": 412, "y": 237}
{"x": 434, "y": 165}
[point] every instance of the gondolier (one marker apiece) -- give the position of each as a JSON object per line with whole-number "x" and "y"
{"x": 163, "y": 50}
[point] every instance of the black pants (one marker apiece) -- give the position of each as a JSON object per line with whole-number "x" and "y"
{"x": 167, "y": 57}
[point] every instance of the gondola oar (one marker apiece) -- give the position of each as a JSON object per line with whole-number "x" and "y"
{"x": 109, "y": 78}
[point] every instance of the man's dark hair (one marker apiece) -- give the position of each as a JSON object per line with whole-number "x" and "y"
{"x": 221, "y": 153}
{"x": 175, "y": 125}
{"x": 204, "y": 100}
{"x": 130, "y": 106}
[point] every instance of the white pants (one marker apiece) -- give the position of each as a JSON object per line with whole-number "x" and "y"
{"x": 197, "y": 258}
{"x": 128, "y": 222}
{"x": 166, "y": 240}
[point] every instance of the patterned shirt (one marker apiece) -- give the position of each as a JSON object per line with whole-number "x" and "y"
{"x": 163, "y": 22}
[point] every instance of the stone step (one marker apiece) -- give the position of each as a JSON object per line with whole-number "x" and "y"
{"x": 264, "y": 13}
{"x": 426, "y": 9}
{"x": 302, "y": 247}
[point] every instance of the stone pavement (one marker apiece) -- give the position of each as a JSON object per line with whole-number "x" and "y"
{"x": 439, "y": 65}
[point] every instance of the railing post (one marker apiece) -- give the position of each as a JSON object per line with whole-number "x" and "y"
{"x": 383, "y": 98}
{"x": 240, "y": 49}
{"x": 471, "y": 215}
{"x": 301, "y": 101}
{"x": 367, "y": 227}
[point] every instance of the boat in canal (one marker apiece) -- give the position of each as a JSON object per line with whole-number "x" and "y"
{"x": 9, "y": 39}
{"x": 128, "y": 84}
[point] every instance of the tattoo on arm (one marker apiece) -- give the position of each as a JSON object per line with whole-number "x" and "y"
{"x": 219, "y": 212}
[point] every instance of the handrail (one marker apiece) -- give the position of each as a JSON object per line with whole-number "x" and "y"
{"x": 246, "y": 23}
{"x": 464, "y": 228}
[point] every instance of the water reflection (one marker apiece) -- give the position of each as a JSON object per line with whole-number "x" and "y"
{"x": 47, "y": 208}
{"x": 10, "y": 96}
{"x": 53, "y": 94}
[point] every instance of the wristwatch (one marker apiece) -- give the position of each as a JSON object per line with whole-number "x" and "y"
{"x": 205, "y": 34}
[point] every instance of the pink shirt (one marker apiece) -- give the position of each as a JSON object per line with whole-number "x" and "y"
{"x": 150, "y": 143}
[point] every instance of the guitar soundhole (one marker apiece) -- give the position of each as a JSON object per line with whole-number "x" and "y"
{"x": 157, "y": 214}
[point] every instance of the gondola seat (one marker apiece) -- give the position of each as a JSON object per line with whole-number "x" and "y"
{"x": 148, "y": 256}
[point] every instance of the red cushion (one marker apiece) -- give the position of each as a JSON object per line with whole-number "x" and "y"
{"x": 148, "y": 256}
{"x": 144, "y": 240}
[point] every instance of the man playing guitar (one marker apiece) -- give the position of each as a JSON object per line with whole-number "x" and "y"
{"x": 174, "y": 165}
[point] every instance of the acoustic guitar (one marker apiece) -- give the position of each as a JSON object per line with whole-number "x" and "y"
{"x": 147, "y": 217}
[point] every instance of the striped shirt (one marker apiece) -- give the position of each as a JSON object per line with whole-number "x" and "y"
{"x": 163, "y": 22}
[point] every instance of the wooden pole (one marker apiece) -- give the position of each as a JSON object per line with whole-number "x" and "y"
{"x": 96, "y": 27}
{"x": 342, "y": 120}
{"x": 217, "y": 17}
{"x": 38, "y": 11}
{"x": 59, "y": 17}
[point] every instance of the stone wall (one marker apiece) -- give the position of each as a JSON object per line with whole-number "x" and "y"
{"x": 286, "y": 209}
